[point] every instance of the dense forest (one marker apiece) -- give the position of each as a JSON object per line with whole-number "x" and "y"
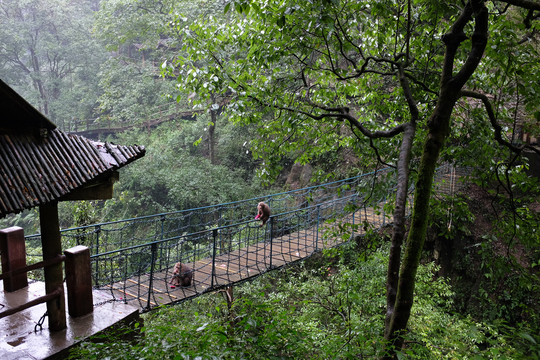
{"x": 234, "y": 99}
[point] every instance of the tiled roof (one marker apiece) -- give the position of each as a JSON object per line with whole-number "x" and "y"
{"x": 40, "y": 164}
{"x": 35, "y": 171}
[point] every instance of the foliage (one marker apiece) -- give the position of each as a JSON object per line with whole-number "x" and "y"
{"x": 139, "y": 103}
{"x": 261, "y": 72}
{"x": 131, "y": 30}
{"x": 305, "y": 71}
{"x": 28, "y": 220}
{"x": 136, "y": 33}
{"x": 450, "y": 215}
{"x": 325, "y": 308}
{"x": 495, "y": 272}
{"x": 48, "y": 54}
{"x": 174, "y": 175}
{"x": 491, "y": 246}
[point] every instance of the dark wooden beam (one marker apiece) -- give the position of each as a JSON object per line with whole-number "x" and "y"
{"x": 79, "y": 281}
{"x": 54, "y": 277}
{"x": 99, "y": 189}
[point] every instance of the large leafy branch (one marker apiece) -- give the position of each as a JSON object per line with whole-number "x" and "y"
{"x": 498, "y": 129}
{"x": 320, "y": 56}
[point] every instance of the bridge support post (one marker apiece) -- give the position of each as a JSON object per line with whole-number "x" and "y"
{"x": 353, "y": 223}
{"x": 13, "y": 250}
{"x": 162, "y": 219}
{"x": 79, "y": 281}
{"x": 271, "y": 237}
{"x": 153, "y": 248}
{"x": 98, "y": 231}
{"x": 384, "y": 214}
{"x": 317, "y": 233}
{"x": 214, "y": 235}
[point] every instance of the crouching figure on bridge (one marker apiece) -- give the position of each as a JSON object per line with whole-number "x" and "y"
{"x": 182, "y": 276}
{"x": 263, "y": 212}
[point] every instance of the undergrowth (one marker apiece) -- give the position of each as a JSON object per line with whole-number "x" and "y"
{"x": 329, "y": 307}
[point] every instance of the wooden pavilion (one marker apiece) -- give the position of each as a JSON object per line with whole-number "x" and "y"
{"x": 40, "y": 166}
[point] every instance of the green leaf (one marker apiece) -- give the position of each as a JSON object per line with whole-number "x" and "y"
{"x": 527, "y": 337}
{"x": 281, "y": 21}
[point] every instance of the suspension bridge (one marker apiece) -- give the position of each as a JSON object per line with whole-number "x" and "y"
{"x": 167, "y": 112}
{"x": 132, "y": 260}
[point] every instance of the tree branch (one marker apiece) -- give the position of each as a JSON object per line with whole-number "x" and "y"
{"x": 495, "y": 124}
{"x": 478, "y": 44}
{"x": 452, "y": 40}
{"x": 372, "y": 145}
{"x": 338, "y": 113}
{"x": 525, "y": 4}
{"x": 413, "y": 108}
{"x": 341, "y": 50}
{"x": 420, "y": 83}
{"x": 531, "y": 16}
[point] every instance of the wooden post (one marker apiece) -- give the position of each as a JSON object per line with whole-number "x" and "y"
{"x": 79, "y": 281}
{"x": 13, "y": 250}
{"x": 52, "y": 247}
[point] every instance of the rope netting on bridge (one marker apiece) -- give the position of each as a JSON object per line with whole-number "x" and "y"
{"x": 133, "y": 259}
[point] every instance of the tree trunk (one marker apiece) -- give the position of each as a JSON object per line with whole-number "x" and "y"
{"x": 403, "y": 172}
{"x": 398, "y": 233}
{"x": 439, "y": 128}
{"x": 38, "y": 83}
{"x": 399, "y": 318}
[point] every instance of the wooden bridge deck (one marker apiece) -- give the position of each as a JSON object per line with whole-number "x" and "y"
{"x": 232, "y": 267}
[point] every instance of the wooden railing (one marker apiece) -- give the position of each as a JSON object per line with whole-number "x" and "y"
{"x": 78, "y": 277}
